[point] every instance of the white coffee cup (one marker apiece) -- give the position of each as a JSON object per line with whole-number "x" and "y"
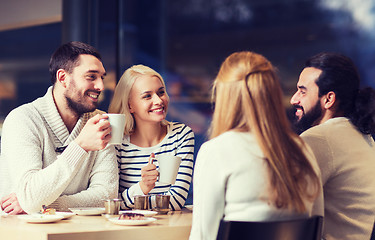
{"x": 168, "y": 168}
{"x": 117, "y": 122}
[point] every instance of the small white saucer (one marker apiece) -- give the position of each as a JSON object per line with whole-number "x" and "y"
{"x": 88, "y": 211}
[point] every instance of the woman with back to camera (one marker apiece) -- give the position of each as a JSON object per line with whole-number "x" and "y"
{"x": 253, "y": 168}
{"x": 141, "y": 95}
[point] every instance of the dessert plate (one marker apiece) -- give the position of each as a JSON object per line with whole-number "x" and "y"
{"x": 65, "y": 215}
{"x": 40, "y": 218}
{"x": 145, "y": 213}
{"x": 132, "y": 222}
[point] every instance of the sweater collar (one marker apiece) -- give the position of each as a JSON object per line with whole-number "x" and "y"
{"x": 336, "y": 120}
{"x": 47, "y": 108}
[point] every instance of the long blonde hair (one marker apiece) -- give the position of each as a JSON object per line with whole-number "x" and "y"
{"x": 248, "y": 98}
{"x": 120, "y": 100}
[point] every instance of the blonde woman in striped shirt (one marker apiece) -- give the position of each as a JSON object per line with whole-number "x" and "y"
{"x": 141, "y": 95}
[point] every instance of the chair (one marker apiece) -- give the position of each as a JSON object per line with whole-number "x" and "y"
{"x": 373, "y": 233}
{"x": 300, "y": 229}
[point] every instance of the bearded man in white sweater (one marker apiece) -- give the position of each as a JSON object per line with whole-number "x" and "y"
{"x": 337, "y": 118}
{"x": 54, "y": 149}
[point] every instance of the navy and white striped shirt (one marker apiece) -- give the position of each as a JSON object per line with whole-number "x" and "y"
{"x": 179, "y": 141}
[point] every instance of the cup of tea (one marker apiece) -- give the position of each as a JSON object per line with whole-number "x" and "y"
{"x": 112, "y": 206}
{"x": 162, "y": 203}
{"x": 168, "y": 168}
{"x": 142, "y": 202}
{"x": 117, "y": 122}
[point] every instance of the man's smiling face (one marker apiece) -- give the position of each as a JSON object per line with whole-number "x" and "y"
{"x": 85, "y": 84}
{"x": 306, "y": 100}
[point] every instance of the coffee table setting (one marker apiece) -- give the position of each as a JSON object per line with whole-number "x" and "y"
{"x": 140, "y": 215}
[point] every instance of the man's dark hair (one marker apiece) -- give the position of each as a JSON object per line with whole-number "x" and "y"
{"x": 340, "y": 76}
{"x": 67, "y": 57}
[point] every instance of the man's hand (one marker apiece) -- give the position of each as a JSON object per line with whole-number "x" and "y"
{"x": 10, "y": 205}
{"x": 96, "y": 134}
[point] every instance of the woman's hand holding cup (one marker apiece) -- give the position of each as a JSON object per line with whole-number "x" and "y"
{"x": 149, "y": 175}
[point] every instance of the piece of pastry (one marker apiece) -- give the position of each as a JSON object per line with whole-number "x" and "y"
{"x": 131, "y": 216}
{"x": 47, "y": 211}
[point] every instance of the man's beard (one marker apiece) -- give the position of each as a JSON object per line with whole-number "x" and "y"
{"x": 78, "y": 107}
{"x": 308, "y": 119}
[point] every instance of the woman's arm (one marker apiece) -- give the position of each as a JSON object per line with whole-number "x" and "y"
{"x": 209, "y": 193}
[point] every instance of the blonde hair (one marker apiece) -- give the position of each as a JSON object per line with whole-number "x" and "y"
{"x": 248, "y": 98}
{"x": 120, "y": 100}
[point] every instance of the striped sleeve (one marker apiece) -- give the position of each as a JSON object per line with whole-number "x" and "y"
{"x": 185, "y": 149}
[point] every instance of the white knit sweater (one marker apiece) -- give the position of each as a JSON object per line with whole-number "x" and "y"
{"x": 38, "y": 174}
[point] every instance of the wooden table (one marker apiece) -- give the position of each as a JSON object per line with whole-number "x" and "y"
{"x": 174, "y": 225}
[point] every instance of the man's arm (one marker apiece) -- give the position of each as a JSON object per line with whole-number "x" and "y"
{"x": 22, "y": 149}
{"x": 37, "y": 181}
{"x": 103, "y": 184}
{"x": 322, "y": 152}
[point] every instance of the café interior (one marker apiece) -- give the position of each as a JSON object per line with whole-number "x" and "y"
{"x": 186, "y": 42}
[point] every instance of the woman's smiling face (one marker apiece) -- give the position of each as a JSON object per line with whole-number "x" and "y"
{"x": 148, "y": 100}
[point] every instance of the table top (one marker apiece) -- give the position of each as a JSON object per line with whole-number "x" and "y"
{"x": 174, "y": 225}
